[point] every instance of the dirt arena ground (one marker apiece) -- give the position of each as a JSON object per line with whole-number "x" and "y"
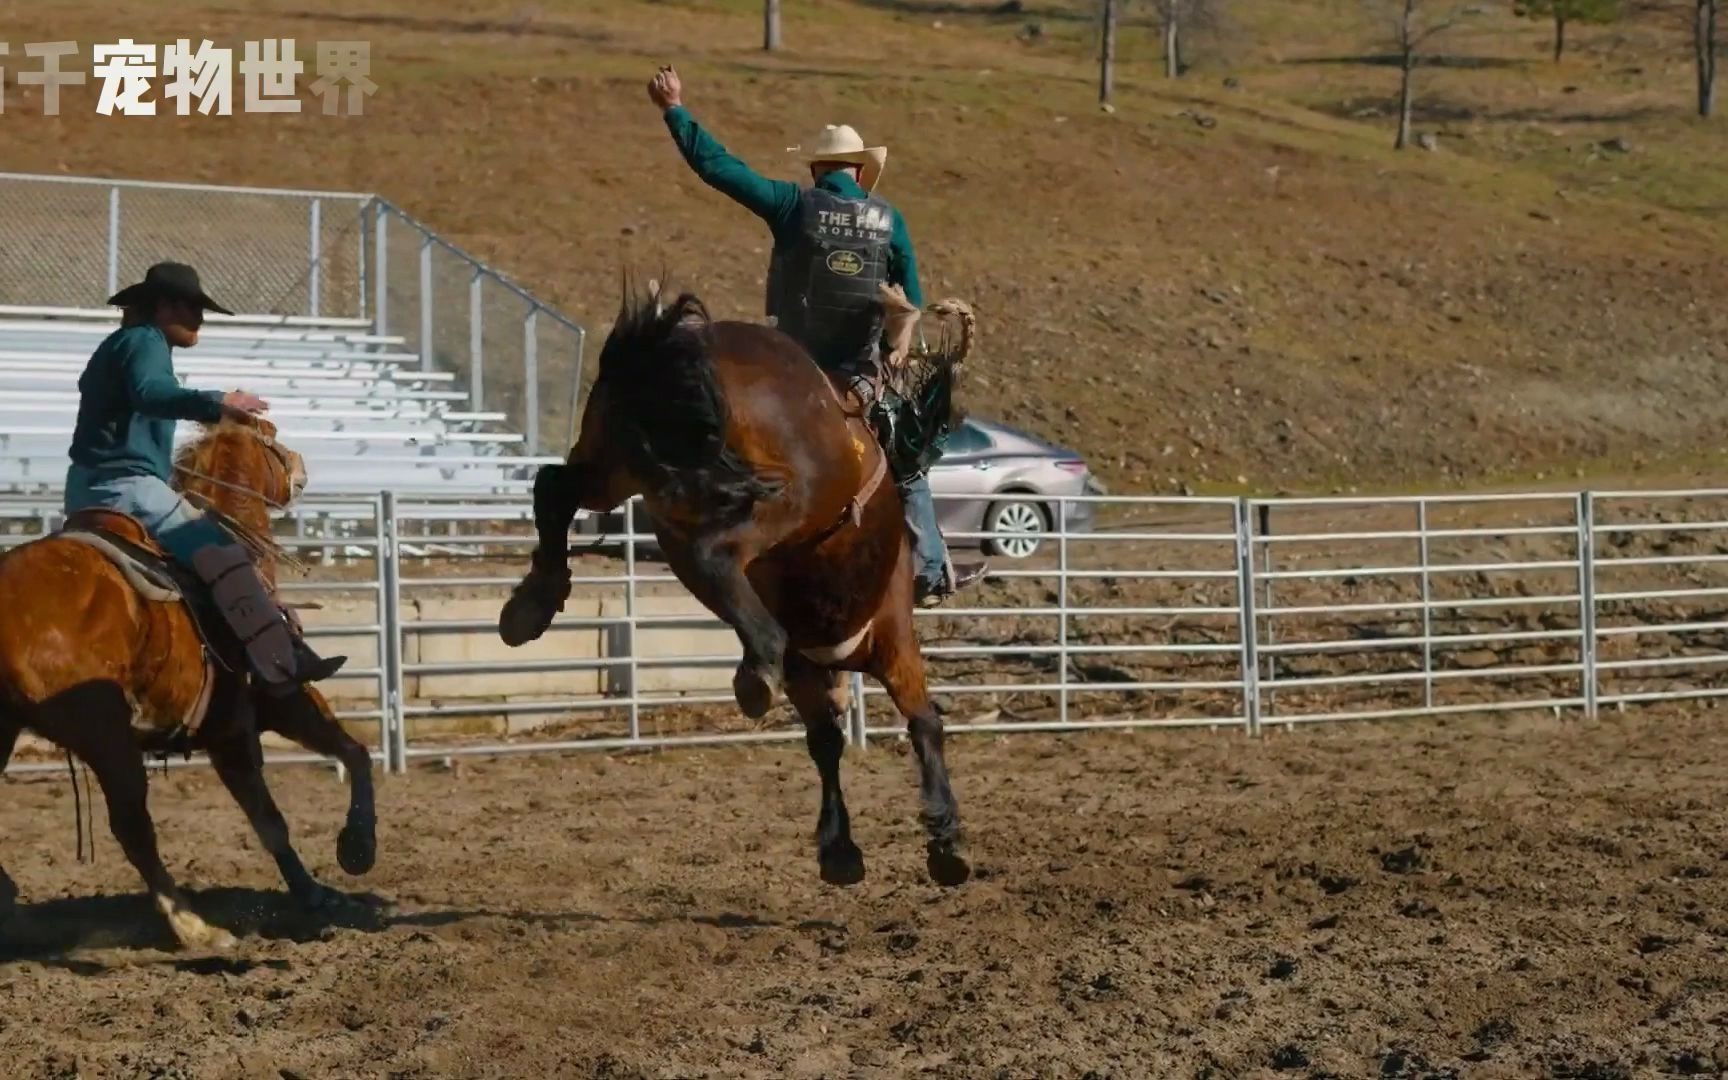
{"x": 1481, "y": 897}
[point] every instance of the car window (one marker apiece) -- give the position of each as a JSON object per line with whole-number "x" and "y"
{"x": 966, "y": 439}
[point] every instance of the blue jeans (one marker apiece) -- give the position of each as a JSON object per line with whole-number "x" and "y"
{"x": 170, "y": 519}
{"x": 929, "y": 556}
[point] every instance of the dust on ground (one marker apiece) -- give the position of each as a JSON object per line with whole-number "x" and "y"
{"x": 1512, "y": 897}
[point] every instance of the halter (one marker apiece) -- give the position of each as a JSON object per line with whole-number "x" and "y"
{"x": 276, "y": 452}
{"x": 260, "y": 546}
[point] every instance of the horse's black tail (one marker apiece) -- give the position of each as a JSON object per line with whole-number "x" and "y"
{"x": 666, "y": 413}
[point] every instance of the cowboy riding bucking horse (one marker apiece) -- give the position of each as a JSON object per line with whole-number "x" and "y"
{"x": 842, "y": 281}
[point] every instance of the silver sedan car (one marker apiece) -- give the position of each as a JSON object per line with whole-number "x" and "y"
{"x": 999, "y": 480}
{"x": 991, "y": 479}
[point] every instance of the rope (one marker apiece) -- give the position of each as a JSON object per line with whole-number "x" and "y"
{"x": 260, "y": 545}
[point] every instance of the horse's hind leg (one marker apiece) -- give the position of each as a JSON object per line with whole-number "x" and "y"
{"x": 100, "y": 734}
{"x": 820, "y": 698}
{"x": 898, "y": 665}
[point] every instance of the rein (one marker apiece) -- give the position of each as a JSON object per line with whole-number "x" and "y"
{"x": 261, "y": 546}
{"x": 236, "y": 488}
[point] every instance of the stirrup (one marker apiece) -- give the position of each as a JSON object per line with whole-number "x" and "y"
{"x": 953, "y": 580}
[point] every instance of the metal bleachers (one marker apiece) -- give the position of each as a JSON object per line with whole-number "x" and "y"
{"x": 392, "y": 360}
{"x": 356, "y": 404}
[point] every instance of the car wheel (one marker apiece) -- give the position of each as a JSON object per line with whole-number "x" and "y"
{"x": 1016, "y": 529}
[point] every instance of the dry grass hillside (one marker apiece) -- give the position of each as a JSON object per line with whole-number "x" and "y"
{"x": 1231, "y": 281}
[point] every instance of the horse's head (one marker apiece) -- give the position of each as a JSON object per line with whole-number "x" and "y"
{"x": 241, "y": 469}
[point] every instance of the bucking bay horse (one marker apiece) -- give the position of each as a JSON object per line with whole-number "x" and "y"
{"x": 765, "y": 487}
{"x": 106, "y": 652}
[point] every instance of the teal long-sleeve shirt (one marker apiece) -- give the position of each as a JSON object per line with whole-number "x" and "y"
{"x": 776, "y": 201}
{"x": 128, "y": 401}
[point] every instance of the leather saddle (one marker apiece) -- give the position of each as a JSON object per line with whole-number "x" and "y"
{"x": 155, "y": 575}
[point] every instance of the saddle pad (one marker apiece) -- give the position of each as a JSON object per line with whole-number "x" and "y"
{"x": 154, "y": 583}
{"x": 151, "y": 581}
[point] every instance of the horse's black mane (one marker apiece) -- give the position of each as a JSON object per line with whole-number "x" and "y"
{"x": 668, "y": 415}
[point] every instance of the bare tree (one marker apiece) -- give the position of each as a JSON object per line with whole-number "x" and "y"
{"x": 1705, "y": 20}
{"x": 770, "y": 24}
{"x": 1415, "y": 24}
{"x": 1178, "y": 17}
{"x": 1564, "y": 13}
{"x": 1107, "y": 52}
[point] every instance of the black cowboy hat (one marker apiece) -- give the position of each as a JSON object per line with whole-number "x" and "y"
{"x": 170, "y": 279}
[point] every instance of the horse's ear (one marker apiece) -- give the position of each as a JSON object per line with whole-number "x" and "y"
{"x": 654, "y": 295}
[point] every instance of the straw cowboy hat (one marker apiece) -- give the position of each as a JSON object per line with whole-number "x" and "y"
{"x": 841, "y": 143}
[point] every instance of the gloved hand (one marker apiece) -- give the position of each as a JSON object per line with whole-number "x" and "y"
{"x": 899, "y": 323}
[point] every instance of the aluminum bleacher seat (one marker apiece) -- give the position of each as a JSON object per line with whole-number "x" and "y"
{"x": 357, "y": 405}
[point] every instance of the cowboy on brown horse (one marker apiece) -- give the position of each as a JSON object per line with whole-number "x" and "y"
{"x": 129, "y": 400}
{"x": 110, "y": 651}
{"x": 842, "y": 280}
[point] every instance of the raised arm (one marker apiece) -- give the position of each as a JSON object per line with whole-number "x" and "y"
{"x": 771, "y": 200}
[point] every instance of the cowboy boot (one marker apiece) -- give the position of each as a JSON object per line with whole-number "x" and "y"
{"x": 281, "y": 658}
{"x": 304, "y": 658}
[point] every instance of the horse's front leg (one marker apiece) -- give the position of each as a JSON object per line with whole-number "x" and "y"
{"x": 306, "y": 719}
{"x": 540, "y": 595}
{"x": 714, "y": 568}
{"x": 239, "y": 761}
{"x": 93, "y": 722}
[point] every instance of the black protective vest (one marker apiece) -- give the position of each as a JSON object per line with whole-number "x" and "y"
{"x": 822, "y": 288}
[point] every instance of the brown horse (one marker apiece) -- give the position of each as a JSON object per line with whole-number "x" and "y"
{"x": 765, "y": 490}
{"x": 91, "y": 663}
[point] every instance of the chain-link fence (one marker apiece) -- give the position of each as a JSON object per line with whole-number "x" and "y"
{"x": 511, "y": 354}
{"x": 73, "y": 242}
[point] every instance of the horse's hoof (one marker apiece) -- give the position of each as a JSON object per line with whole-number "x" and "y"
{"x": 523, "y": 619}
{"x": 206, "y": 938}
{"x": 356, "y": 850}
{"x": 948, "y": 868}
{"x": 221, "y": 940}
{"x": 754, "y": 692}
{"x": 843, "y": 865}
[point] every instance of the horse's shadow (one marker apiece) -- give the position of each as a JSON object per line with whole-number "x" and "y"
{"x": 564, "y": 920}
{"x": 55, "y": 932}
{"x": 50, "y": 930}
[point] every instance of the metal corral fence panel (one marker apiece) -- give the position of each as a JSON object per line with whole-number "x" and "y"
{"x": 1221, "y": 612}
